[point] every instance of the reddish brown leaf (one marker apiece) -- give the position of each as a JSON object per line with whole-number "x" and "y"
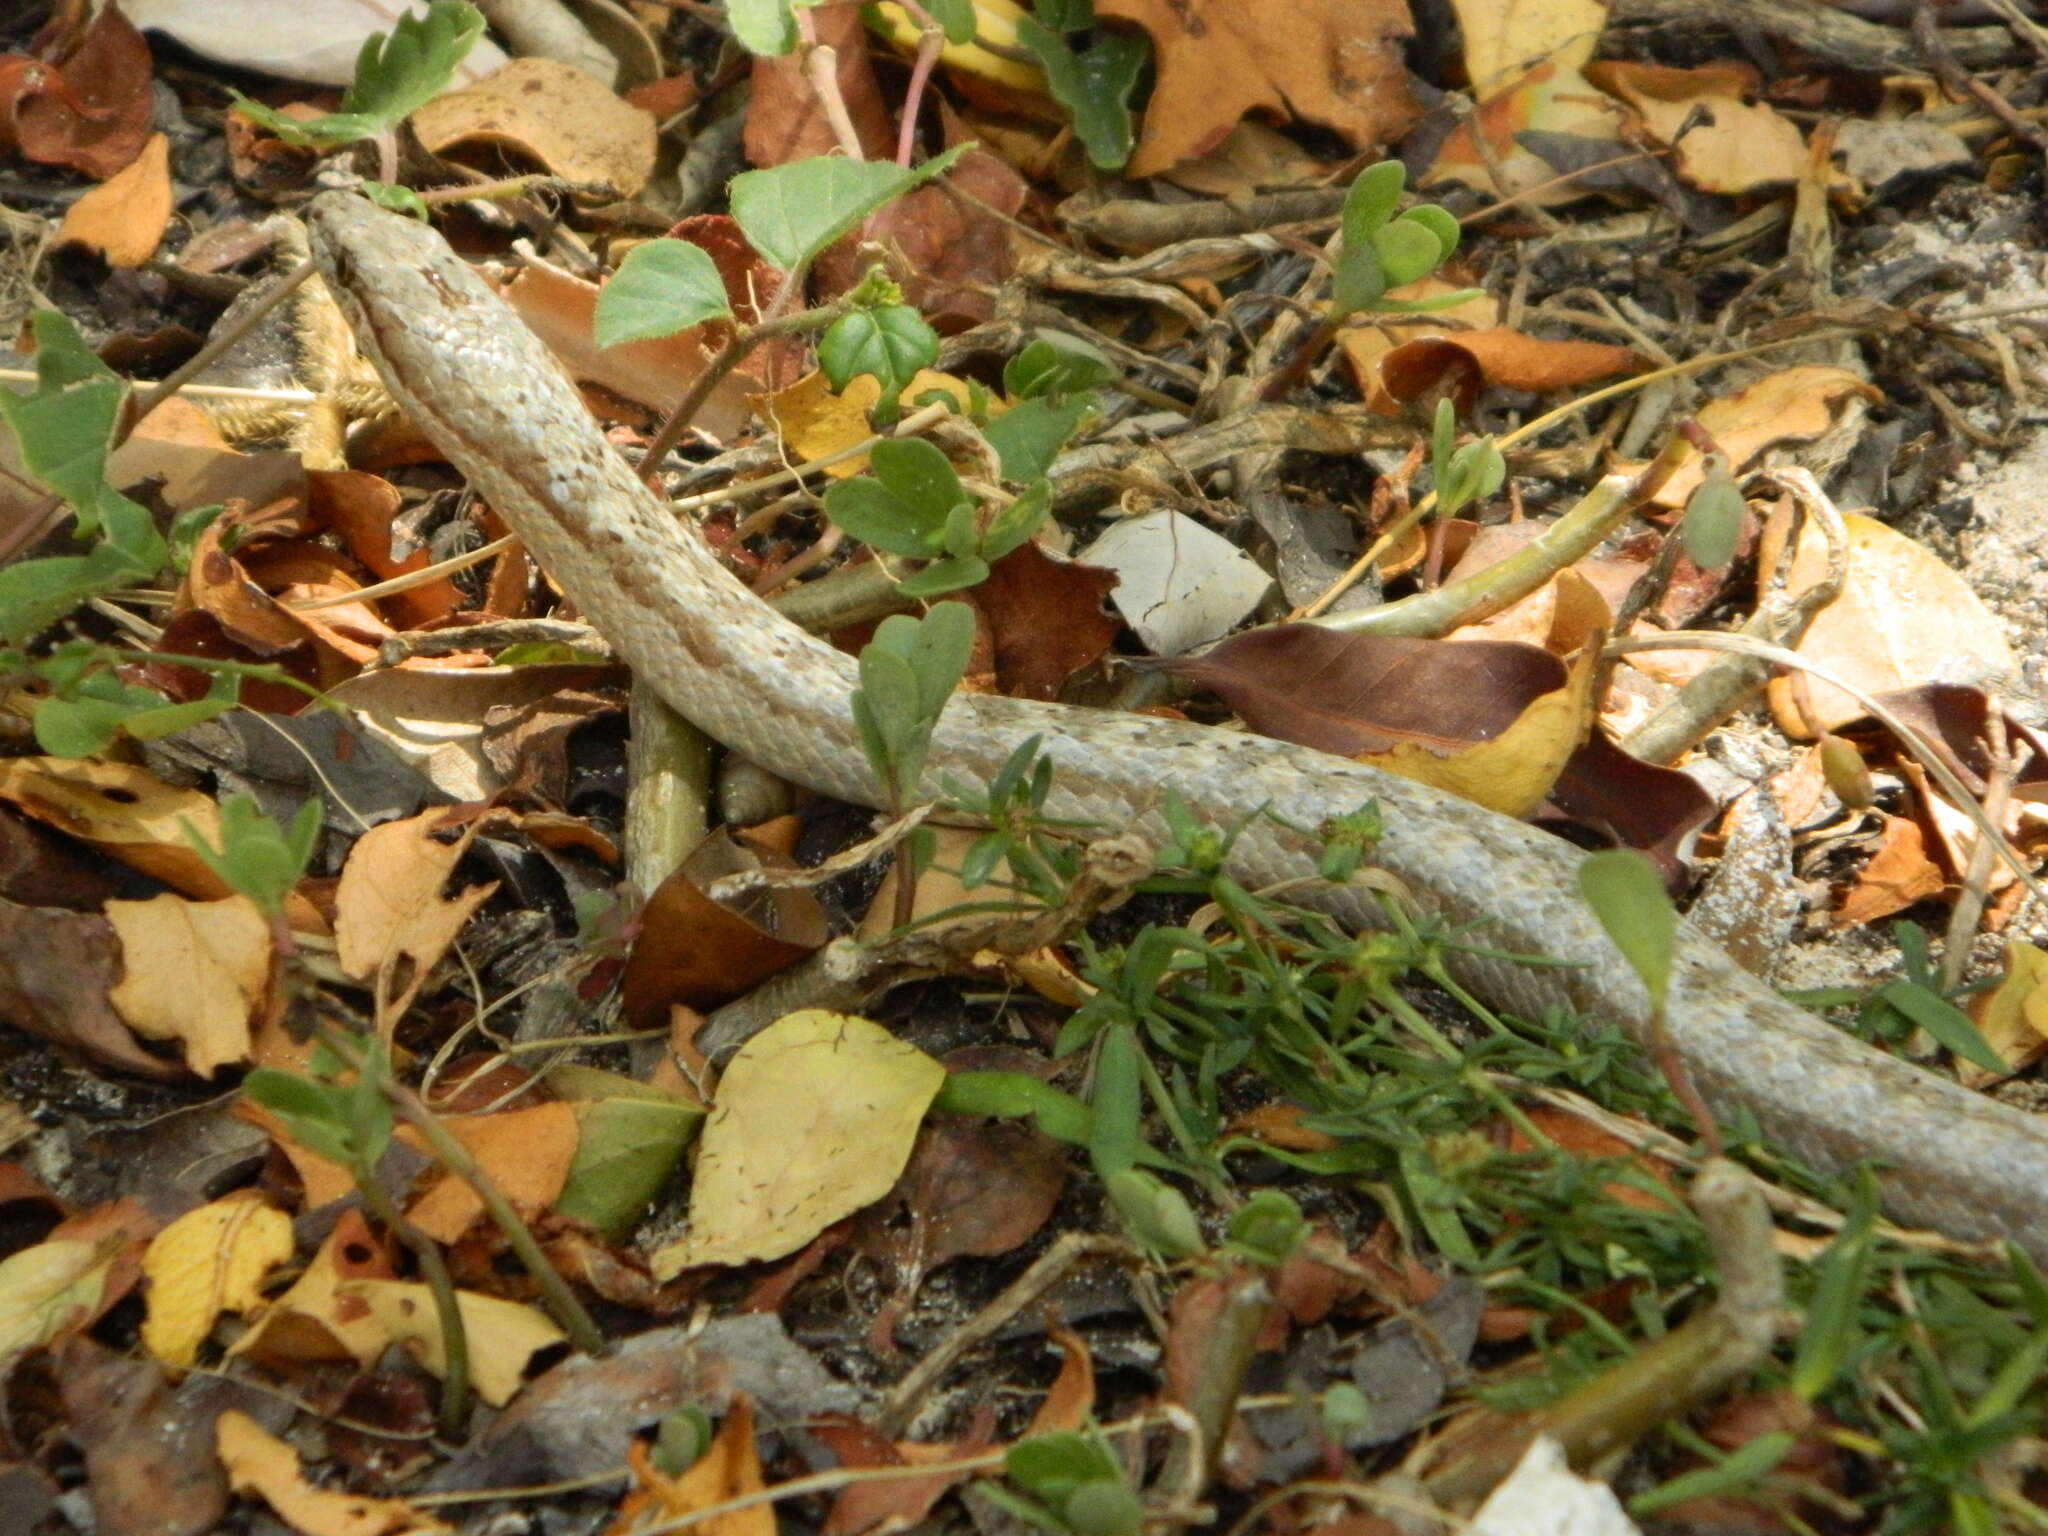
{"x": 785, "y": 119}
{"x": 1631, "y": 804}
{"x": 1502, "y": 356}
{"x": 1045, "y": 619}
{"x": 149, "y": 1457}
{"x": 1336, "y": 63}
{"x": 1899, "y": 874}
{"x": 691, "y": 950}
{"x": 86, "y": 106}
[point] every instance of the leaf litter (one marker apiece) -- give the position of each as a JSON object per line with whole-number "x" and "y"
{"x": 1326, "y": 1227}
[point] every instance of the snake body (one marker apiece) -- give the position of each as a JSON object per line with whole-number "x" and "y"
{"x": 492, "y": 398}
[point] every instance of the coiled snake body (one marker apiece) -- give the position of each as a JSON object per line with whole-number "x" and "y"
{"x": 465, "y": 368}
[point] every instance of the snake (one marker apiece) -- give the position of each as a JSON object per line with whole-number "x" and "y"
{"x": 495, "y": 402}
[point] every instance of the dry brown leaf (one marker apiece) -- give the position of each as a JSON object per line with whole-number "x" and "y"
{"x": 1490, "y": 721}
{"x": 260, "y": 1463}
{"x": 1046, "y": 619}
{"x": 1728, "y": 144}
{"x": 123, "y": 218}
{"x": 312, "y": 1321}
{"x": 126, "y": 812}
{"x": 197, "y": 972}
{"x": 56, "y": 970}
{"x": 1898, "y": 875}
{"x": 550, "y": 113}
{"x": 526, "y": 1152}
{"x": 207, "y": 1262}
{"x": 1363, "y": 346}
{"x": 86, "y": 104}
{"x": 785, "y": 119}
{"x": 391, "y": 920}
{"x": 1901, "y": 616}
{"x": 814, "y": 420}
{"x": 1335, "y": 63}
{"x": 729, "y": 1469}
{"x": 1793, "y": 405}
{"x": 694, "y": 951}
{"x": 893, "y": 1504}
{"x": 361, "y": 508}
{"x": 503, "y": 1335}
{"x": 1502, "y": 356}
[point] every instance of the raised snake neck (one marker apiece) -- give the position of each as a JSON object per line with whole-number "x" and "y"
{"x": 492, "y": 398}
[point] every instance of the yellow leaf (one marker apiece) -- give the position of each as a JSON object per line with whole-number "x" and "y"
{"x": 995, "y": 21}
{"x": 503, "y": 1335}
{"x": 312, "y": 1321}
{"x": 2013, "y": 1016}
{"x": 258, "y": 1462}
{"x": 1514, "y": 771}
{"x": 814, "y": 422}
{"x": 45, "y": 1289}
{"x": 391, "y": 920}
{"x": 1902, "y": 617}
{"x": 815, "y": 1119}
{"x": 193, "y": 971}
{"x": 207, "y": 1262}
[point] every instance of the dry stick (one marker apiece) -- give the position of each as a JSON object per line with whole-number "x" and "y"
{"x": 903, "y": 1399}
{"x": 2002, "y": 774}
{"x": 1550, "y": 419}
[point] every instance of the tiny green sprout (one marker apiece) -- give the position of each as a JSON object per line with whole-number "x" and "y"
{"x": 257, "y": 858}
{"x": 1712, "y": 522}
{"x": 681, "y": 1439}
{"x": 1346, "y": 1411}
{"x": 1267, "y": 1229}
{"x": 1158, "y": 1215}
{"x": 1104, "y": 1506}
{"x": 907, "y": 672}
{"x": 1463, "y": 475}
{"x": 396, "y": 74}
{"x": 1347, "y": 841}
{"x": 1383, "y": 250}
{"x": 1627, "y": 896}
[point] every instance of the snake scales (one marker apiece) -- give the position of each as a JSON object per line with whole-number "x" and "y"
{"x": 462, "y": 365}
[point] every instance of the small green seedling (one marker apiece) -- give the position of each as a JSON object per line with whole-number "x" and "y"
{"x": 880, "y": 336}
{"x": 1052, "y": 387}
{"x": 256, "y": 857}
{"x": 1711, "y": 525}
{"x": 907, "y": 672}
{"x": 396, "y": 74}
{"x": 1464, "y": 475}
{"x": 914, "y": 505}
{"x": 1068, "y": 1482}
{"x": 1383, "y": 250}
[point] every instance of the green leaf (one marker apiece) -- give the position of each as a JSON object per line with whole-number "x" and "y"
{"x": 1159, "y": 1215}
{"x": 314, "y": 1114}
{"x": 1116, "y": 1103}
{"x": 400, "y": 72}
{"x": 625, "y": 1151}
{"x": 1029, "y": 436}
{"x": 956, "y": 17}
{"x": 1439, "y": 222}
{"x": 660, "y": 288}
{"x": 1737, "y": 1472}
{"x": 1015, "y": 524}
{"x": 789, "y": 213}
{"x": 1712, "y": 524}
{"x": 1104, "y": 1506}
{"x": 396, "y": 74}
{"x": 892, "y": 343}
{"x": 1626, "y": 895}
{"x": 1951, "y": 1028}
{"x": 398, "y": 199}
{"x": 1830, "y": 1328}
{"x": 1267, "y": 1228}
{"x": 918, "y": 473}
{"x": 1407, "y": 251}
{"x": 1370, "y": 200}
{"x": 1056, "y": 364}
{"x": 1357, "y": 281}
{"x": 954, "y": 574}
{"x": 766, "y": 27}
{"x": 256, "y": 857}
{"x": 1065, "y": 15}
{"x": 1054, "y": 1465}
{"x": 1094, "y": 86}
{"x": 876, "y": 515}
{"x": 1442, "y": 301}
